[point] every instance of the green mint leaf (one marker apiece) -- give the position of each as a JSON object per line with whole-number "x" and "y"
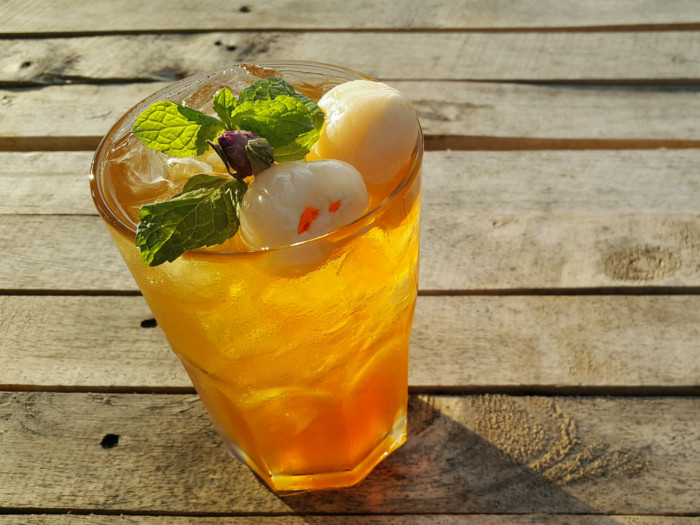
{"x": 271, "y": 88}
{"x": 280, "y": 121}
{"x": 266, "y": 89}
{"x": 176, "y": 130}
{"x": 204, "y": 214}
{"x": 224, "y": 104}
{"x": 316, "y": 112}
{"x": 300, "y": 146}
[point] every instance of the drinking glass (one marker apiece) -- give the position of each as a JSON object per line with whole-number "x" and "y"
{"x": 299, "y": 353}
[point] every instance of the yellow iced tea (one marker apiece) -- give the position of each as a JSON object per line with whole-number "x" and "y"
{"x": 299, "y": 353}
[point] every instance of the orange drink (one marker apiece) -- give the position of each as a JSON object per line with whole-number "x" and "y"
{"x": 299, "y": 351}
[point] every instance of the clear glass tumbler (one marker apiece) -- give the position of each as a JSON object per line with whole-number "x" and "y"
{"x": 299, "y": 353}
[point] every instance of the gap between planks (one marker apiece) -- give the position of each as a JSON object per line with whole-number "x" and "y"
{"x": 435, "y": 391}
{"x": 432, "y": 143}
{"x": 609, "y": 28}
{"x": 494, "y": 292}
{"x": 95, "y": 517}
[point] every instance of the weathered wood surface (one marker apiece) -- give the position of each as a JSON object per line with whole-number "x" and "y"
{"x": 46, "y": 182}
{"x": 435, "y": 519}
{"x": 21, "y": 17}
{"x": 596, "y": 231}
{"x": 473, "y": 454}
{"x": 458, "y": 343}
{"x": 491, "y": 221}
{"x": 475, "y": 115}
{"x": 513, "y": 56}
{"x": 462, "y": 344}
{"x": 483, "y": 182}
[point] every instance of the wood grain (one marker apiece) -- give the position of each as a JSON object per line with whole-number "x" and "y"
{"x": 560, "y": 256}
{"x": 569, "y": 219}
{"x": 46, "y": 182}
{"x": 641, "y": 56}
{"x": 487, "y": 183}
{"x": 475, "y": 454}
{"x": 463, "y": 344}
{"x": 477, "y": 116}
{"x": 131, "y": 15}
{"x": 469, "y": 253}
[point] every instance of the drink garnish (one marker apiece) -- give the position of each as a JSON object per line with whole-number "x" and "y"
{"x": 268, "y": 122}
{"x": 205, "y": 213}
{"x": 244, "y": 152}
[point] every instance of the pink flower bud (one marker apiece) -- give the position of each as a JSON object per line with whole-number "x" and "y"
{"x": 233, "y": 147}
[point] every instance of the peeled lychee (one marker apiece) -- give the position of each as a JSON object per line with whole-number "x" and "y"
{"x": 369, "y": 125}
{"x": 295, "y": 201}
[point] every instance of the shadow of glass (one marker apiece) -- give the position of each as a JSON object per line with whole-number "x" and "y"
{"x": 446, "y": 468}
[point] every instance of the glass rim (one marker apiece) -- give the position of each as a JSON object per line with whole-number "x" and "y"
{"x": 346, "y": 231}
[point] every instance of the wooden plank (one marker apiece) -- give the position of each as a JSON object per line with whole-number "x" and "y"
{"x": 46, "y": 182}
{"x": 59, "y": 253}
{"x": 488, "y": 183}
{"x": 669, "y": 56}
{"x": 97, "y": 340}
{"x": 478, "y": 116}
{"x": 472, "y": 252}
{"x": 131, "y": 15}
{"x": 570, "y": 220}
{"x": 436, "y": 519}
{"x": 533, "y": 252}
{"x": 481, "y": 454}
{"x": 458, "y": 343}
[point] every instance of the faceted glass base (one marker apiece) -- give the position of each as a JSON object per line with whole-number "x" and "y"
{"x": 285, "y": 484}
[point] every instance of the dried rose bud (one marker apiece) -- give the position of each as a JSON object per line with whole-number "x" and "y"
{"x": 260, "y": 155}
{"x": 233, "y": 148}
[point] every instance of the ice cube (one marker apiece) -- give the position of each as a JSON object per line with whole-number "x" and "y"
{"x": 140, "y": 175}
{"x": 199, "y": 96}
{"x": 296, "y": 201}
{"x": 179, "y": 170}
{"x": 140, "y": 164}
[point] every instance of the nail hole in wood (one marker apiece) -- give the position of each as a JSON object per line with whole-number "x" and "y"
{"x": 149, "y": 323}
{"x": 217, "y": 43}
{"x": 110, "y": 441}
{"x": 230, "y": 48}
{"x": 26, "y": 64}
{"x": 245, "y": 9}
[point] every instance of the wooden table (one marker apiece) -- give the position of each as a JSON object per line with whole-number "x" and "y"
{"x": 555, "y": 372}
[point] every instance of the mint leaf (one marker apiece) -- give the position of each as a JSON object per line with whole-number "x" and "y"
{"x": 280, "y": 121}
{"x": 271, "y": 88}
{"x": 224, "y": 104}
{"x": 176, "y": 130}
{"x": 204, "y": 214}
{"x": 301, "y": 145}
{"x": 266, "y": 89}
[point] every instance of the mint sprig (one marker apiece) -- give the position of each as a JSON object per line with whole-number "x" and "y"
{"x": 204, "y": 214}
{"x": 176, "y": 130}
{"x": 207, "y": 210}
{"x": 279, "y": 121}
